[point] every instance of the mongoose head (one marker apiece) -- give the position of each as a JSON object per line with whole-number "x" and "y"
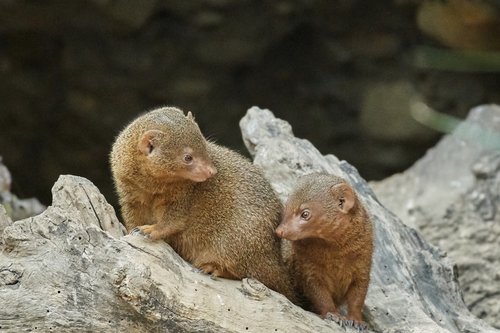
{"x": 164, "y": 146}
{"x": 320, "y": 206}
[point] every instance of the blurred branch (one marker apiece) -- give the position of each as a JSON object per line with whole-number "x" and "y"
{"x": 448, "y": 124}
{"x": 454, "y": 60}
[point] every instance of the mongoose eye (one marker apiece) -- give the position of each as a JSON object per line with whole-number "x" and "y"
{"x": 188, "y": 158}
{"x": 341, "y": 203}
{"x": 306, "y": 214}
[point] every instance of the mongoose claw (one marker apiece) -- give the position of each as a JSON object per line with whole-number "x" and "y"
{"x": 139, "y": 231}
{"x": 344, "y": 322}
{"x": 357, "y": 325}
{"x": 349, "y": 323}
{"x": 136, "y": 231}
{"x": 360, "y": 326}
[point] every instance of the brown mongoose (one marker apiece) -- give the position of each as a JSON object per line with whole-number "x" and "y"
{"x": 212, "y": 205}
{"x": 331, "y": 245}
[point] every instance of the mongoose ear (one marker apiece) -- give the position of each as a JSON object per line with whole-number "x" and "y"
{"x": 148, "y": 141}
{"x": 190, "y": 116}
{"x": 345, "y": 196}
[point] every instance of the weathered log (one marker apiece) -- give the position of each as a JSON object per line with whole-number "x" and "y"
{"x": 16, "y": 208}
{"x": 69, "y": 269}
{"x": 452, "y": 195}
{"x": 72, "y": 269}
{"x": 413, "y": 285}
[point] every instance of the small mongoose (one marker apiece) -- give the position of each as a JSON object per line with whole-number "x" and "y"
{"x": 329, "y": 248}
{"x": 212, "y": 205}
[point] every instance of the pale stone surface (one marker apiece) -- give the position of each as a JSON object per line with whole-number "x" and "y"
{"x": 70, "y": 269}
{"x": 61, "y": 271}
{"x": 452, "y": 195}
{"x": 14, "y": 207}
{"x": 414, "y": 287}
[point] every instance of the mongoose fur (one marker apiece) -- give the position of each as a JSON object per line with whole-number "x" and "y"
{"x": 212, "y": 205}
{"x": 330, "y": 246}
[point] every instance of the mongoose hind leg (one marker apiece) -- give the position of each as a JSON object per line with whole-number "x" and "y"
{"x": 217, "y": 271}
{"x": 324, "y": 305}
{"x": 355, "y": 298}
{"x": 278, "y": 279}
{"x": 322, "y": 301}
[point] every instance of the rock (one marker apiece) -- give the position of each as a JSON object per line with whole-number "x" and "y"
{"x": 5, "y": 220}
{"x": 5, "y": 177}
{"x": 71, "y": 269}
{"x": 452, "y": 195}
{"x": 14, "y": 207}
{"x": 413, "y": 285}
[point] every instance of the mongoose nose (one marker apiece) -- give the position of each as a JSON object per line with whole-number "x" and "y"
{"x": 279, "y": 232}
{"x": 212, "y": 171}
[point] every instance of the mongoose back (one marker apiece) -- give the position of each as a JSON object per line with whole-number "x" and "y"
{"x": 330, "y": 248}
{"x": 212, "y": 205}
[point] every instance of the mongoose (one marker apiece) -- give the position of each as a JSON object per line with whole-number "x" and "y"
{"x": 330, "y": 248}
{"x": 212, "y": 205}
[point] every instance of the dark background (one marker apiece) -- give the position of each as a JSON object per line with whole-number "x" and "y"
{"x": 343, "y": 73}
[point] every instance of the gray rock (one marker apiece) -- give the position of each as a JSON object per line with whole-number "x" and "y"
{"x": 452, "y": 195}
{"x": 413, "y": 284}
{"x": 70, "y": 269}
{"x": 5, "y": 220}
{"x": 14, "y": 207}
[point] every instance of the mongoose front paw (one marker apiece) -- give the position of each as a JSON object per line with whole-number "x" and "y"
{"x": 148, "y": 230}
{"x": 136, "y": 231}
